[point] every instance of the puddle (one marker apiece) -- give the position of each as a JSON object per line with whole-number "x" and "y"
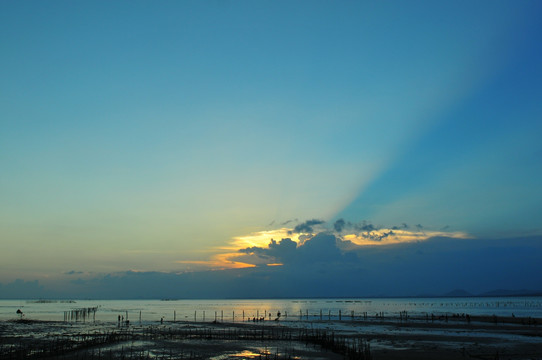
{"x": 245, "y": 354}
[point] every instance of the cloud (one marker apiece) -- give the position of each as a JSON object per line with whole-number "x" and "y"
{"x": 368, "y": 231}
{"x": 365, "y": 226}
{"x": 339, "y": 225}
{"x": 73, "y": 272}
{"x": 306, "y": 227}
{"x": 321, "y": 248}
{"x": 387, "y": 237}
{"x": 261, "y": 249}
{"x": 378, "y": 236}
{"x": 282, "y": 251}
{"x": 326, "y": 266}
{"x": 402, "y": 226}
{"x": 21, "y": 289}
{"x": 289, "y": 221}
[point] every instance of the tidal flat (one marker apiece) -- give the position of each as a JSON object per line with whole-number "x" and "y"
{"x": 402, "y": 337}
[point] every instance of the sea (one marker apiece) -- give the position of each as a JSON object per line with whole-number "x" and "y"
{"x": 237, "y": 310}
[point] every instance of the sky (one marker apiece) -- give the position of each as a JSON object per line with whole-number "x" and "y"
{"x": 379, "y": 148}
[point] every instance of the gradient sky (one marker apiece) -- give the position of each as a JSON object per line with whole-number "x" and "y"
{"x": 163, "y": 137}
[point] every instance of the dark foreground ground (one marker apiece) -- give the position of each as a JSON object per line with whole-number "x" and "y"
{"x": 392, "y": 338}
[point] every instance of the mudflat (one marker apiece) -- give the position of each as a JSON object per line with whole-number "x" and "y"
{"x": 458, "y": 337}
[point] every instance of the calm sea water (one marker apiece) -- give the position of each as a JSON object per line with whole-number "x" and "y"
{"x": 291, "y": 309}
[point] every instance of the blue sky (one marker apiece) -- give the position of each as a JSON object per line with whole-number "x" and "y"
{"x": 165, "y": 137}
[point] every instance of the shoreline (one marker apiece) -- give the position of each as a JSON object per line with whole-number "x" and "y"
{"x": 535, "y": 294}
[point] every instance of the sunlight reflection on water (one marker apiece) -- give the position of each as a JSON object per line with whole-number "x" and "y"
{"x": 245, "y": 354}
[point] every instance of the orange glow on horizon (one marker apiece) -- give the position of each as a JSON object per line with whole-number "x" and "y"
{"x": 226, "y": 259}
{"x": 220, "y": 262}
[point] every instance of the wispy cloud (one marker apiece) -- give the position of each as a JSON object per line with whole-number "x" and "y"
{"x": 347, "y": 226}
{"x": 289, "y": 221}
{"x": 306, "y": 227}
{"x": 74, "y": 272}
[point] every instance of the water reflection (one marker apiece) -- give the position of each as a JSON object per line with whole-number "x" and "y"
{"x": 256, "y": 353}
